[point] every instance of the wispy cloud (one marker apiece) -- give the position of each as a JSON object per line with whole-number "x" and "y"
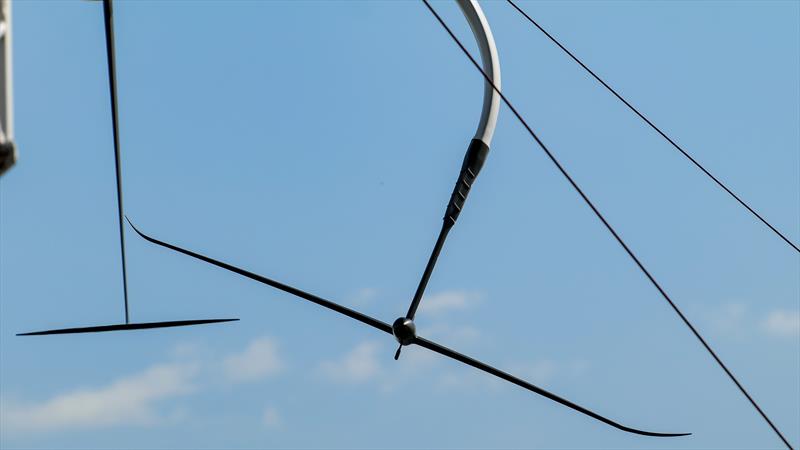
{"x": 782, "y": 323}
{"x": 259, "y": 360}
{"x": 364, "y": 296}
{"x": 271, "y": 418}
{"x": 729, "y": 318}
{"x": 466, "y": 379}
{"x": 545, "y": 370}
{"x": 456, "y": 334}
{"x": 737, "y": 320}
{"x": 143, "y": 398}
{"x": 415, "y": 364}
{"x": 130, "y": 400}
{"x": 538, "y": 371}
{"x": 447, "y": 301}
{"x": 358, "y": 365}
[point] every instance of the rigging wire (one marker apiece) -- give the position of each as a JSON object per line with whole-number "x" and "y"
{"x": 108, "y": 17}
{"x": 607, "y": 225}
{"x": 657, "y": 129}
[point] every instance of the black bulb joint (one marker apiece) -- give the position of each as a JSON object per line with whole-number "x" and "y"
{"x": 404, "y": 331}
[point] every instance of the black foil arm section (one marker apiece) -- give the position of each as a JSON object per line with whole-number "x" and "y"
{"x": 524, "y": 384}
{"x": 375, "y": 323}
{"x": 470, "y": 168}
{"x": 126, "y": 326}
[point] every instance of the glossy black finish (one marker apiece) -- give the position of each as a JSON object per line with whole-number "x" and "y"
{"x": 404, "y": 325}
{"x": 383, "y": 326}
{"x": 524, "y": 384}
{"x": 404, "y": 331}
{"x": 426, "y": 274}
{"x": 108, "y": 16}
{"x": 127, "y": 326}
{"x": 470, "y": 168}
{"x": 397, "y": 353}
{"x": 7, "y": 156}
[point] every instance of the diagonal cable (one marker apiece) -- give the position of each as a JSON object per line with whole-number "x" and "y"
{"x": 657, "y": 129}
{"x": 607, "y": 225}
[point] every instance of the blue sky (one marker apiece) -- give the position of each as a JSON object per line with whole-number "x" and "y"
{"x": 317, "y": 143}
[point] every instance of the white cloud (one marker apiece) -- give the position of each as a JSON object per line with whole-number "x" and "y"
{"x": 467, "y": 378}
{"x": 129, "y": 400}
{"x": 545, "y": 370}
{"x": 187, "y": 351}
{"x": 141, "y": 399}
{"x": 729, "y": 318}
{"x": 359, "y": 365}
{"x": 416, "y": 363}
{"x": 782, "y": 323}
{"x": 364, "y": 296}
{"x": 259, "y": 360}
{"x": 448, "y": 301}
{"x": 454, "y": 334}
{"x": 271, "y": 418}
{"x": 539, "y": 371}
{"x": 363, "y": 364}
{"x": 737, "y": 320}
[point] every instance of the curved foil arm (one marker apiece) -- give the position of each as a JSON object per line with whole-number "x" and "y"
{"x": 386, "y": 328}
{"x": 491, "y": 65}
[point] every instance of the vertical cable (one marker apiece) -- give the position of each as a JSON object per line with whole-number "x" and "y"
{"x": 112, "y": 84}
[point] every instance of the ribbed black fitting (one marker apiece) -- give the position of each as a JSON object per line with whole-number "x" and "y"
{"x": 473, "y": 163}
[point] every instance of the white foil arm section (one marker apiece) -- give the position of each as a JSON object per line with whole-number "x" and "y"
{"x": 491, "y": 65}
